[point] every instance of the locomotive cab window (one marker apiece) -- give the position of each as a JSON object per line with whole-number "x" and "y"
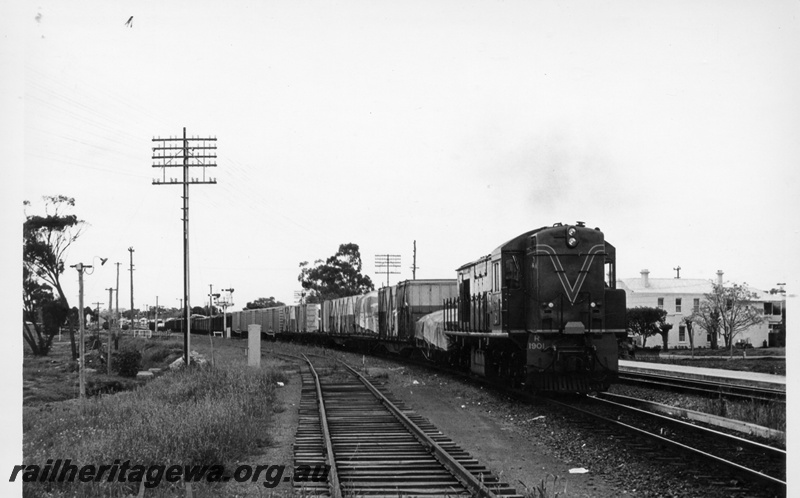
{"x": 610, "y": 275}
{"x": 511, "y": 272}
{"x": 496, "y": 276}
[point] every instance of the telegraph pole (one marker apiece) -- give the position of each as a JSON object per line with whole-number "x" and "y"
{"x": 387, "y": 261}
{"x": 169, "y": 154}
{"x": 130, "y": 249}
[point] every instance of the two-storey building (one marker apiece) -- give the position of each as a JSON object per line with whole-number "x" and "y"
{"x": 679, "y": 297}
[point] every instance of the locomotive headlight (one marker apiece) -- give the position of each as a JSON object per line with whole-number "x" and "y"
{"x": 572, "y": 237}
{"x": 593, "y": 305}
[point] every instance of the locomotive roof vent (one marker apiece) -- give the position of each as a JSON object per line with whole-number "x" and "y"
{"x": 580, "y": 223}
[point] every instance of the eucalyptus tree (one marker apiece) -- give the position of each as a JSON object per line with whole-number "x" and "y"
{"x": 46, "y": 240}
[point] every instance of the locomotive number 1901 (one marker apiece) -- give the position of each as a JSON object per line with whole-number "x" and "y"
{"x": 535, "y": 343}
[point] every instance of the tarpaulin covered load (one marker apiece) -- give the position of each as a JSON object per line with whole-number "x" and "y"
{"x": 367, "y": 314}
{"x": 290, "y": 319}
{"x": 308, "y": 317}
{"x": 430, "y": 330}
{"x": 387, "y": 313}
{"x": 339, "y": 315}
{"x": 402, "y": 305}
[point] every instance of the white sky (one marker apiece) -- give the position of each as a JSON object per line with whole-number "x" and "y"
{"x": 673, "y": 126}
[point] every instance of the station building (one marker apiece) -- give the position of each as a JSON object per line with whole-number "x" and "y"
{"x": 681, "y": 296}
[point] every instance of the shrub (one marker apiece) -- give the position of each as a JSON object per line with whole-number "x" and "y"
{"x": 127, "y": 362}
{"x": 158, "y": 353}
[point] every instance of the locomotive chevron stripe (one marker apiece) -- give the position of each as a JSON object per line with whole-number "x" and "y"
{"x": 569, "y": 289}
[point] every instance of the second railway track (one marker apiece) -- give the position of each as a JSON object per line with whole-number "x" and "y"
{"x": 374, "y": 446}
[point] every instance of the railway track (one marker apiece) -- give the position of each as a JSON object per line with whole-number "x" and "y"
{"x": 374, "y": 446}
{"x": 704, "y": 388}
{"x": 745, "y": 462}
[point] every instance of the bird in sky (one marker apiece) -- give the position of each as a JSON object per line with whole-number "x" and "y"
{"x": 129, "y": 23}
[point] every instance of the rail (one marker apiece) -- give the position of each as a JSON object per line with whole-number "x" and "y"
{"x": 476, "y": 487}
{"x": 333, "y": 477}
{"x": 689, "y": 432}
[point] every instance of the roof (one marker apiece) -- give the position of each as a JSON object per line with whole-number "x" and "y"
{"x": 684, "y": 286}
{"x": 668, "y": 285}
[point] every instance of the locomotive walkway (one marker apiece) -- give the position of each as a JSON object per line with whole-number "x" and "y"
{"x": 376, "y": 447}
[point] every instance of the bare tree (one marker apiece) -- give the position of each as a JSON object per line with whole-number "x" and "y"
{"x": 727, "y": 312}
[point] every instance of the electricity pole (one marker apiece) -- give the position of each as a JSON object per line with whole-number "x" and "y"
{"x": 117, "y": 326}
{"x": 116, "y": 302}
{"x": 81, "y": 371}
{"x": 130, "y": 249}
{"x": 110, "y": 328}
{"x": 210, "y": 299}
{"x": 414, "y": 264}
{"x": 97, "y": 312}
{"x": 387, "y": 261}
{"x": 193, "y": 152}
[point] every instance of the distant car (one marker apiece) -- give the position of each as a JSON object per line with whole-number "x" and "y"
{"x": 743, "y": 345}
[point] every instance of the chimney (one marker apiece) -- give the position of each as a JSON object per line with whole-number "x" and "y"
{"x": 719, "y": 277}
{"x": 645, "y": 279}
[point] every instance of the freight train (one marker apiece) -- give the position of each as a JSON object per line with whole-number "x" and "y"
{"x": 541, "y": 311}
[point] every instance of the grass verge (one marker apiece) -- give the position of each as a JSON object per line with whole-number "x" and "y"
{"x": 196, "y": 416}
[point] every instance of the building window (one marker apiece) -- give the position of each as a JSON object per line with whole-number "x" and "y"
{"x": 677, "y": 305}
{"x": 708, "y": 337}
{"x": 696, "y": 304}
{"x": 661, "y": 303}
{"x": 682, "y": 333}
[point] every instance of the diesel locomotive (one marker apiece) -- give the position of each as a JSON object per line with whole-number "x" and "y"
{"x": 542, "y": 311}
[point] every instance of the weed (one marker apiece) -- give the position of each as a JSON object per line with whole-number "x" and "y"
{"x": 546, "y": 488}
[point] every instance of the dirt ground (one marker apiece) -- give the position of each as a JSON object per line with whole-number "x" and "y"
{"x": 470, "y": 416}
{"x": 476, "y": 421}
